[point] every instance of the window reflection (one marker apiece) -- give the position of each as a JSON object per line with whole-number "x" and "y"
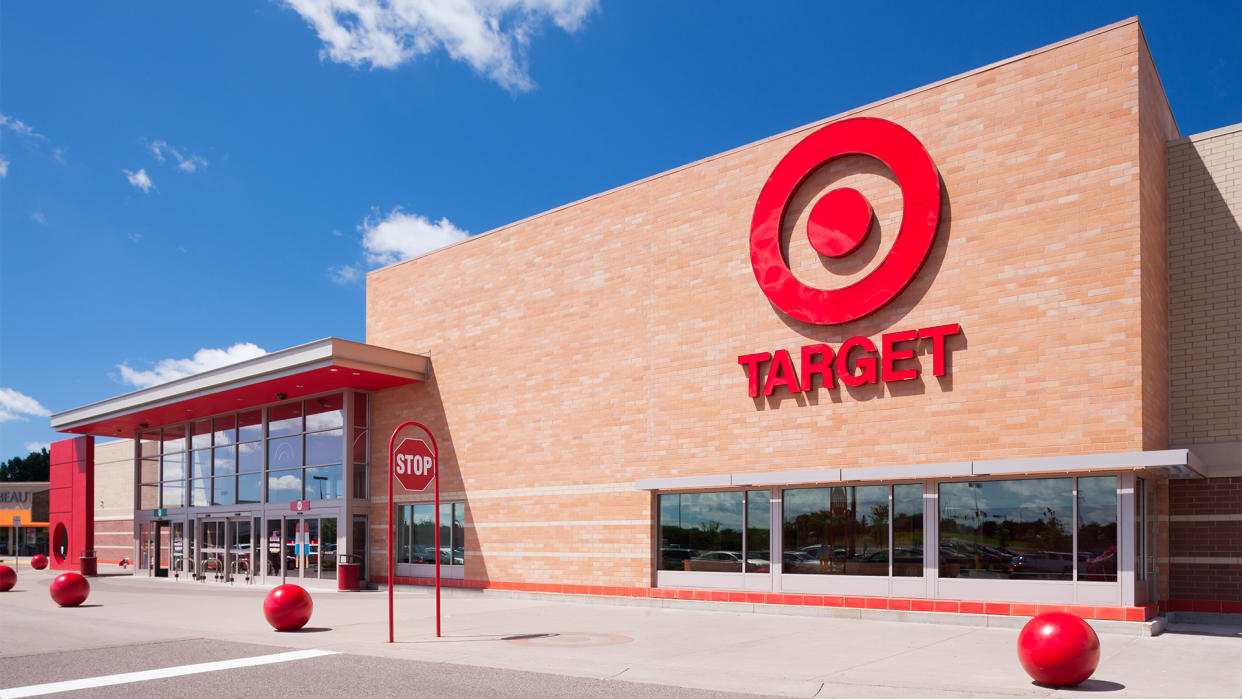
{"x": 249, "y": 457}
{"x": 416, "y": 531}
{"x": 758, "y": 531}
{"x": 224, "y": 491}
{"x": 324, "y": 448}
{"x": 325, "y": 413}
{"x": 284, "y": 486}
{"x": 908, "y": 530}
{"x": 1097, "y": 529}
{"x": 284, "y": 452}
{"x": 324, "y": 483}
{"x": 249, "y": 488}
{"x": 701, "y": 531}
{"x": 250, "y": 426}
{"x": 200, "y": 492}
{"x": 284, "y": 419}
{"x": 226, "y": 460}
{"x": 1007, "y": 529}
{"x": 837, "y": 531}
{"x": 200, "y": 431}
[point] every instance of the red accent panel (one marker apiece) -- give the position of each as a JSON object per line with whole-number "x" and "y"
{"x": 71, "y": 501}
{"x": 947, "y": 605}
{"x": 313, "y": 381}
{"x": 922, "y": 605}
{"x": 1023, "y": 609}
{"x": 971, "y": 608}
{"x": 834, "y": 601}
{"x": 1135, "y": 614}
{"x": 837, "y": 222}
{"x": 1110, "y": 613}
{"x": 898, "y": 604}
{"x": 1001, "y": 608}
{"x": 1045, "y": 608}
{"x": 856, "y": 602}
{"x": 877, "y": 603}
{"x": 1080, "y": 611}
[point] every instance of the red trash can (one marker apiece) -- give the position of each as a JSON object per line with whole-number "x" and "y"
{"x": 88, "y": 563}
{"x": 347, "y": 573}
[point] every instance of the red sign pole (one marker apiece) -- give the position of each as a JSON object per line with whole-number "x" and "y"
{"x": 435, "y": 452}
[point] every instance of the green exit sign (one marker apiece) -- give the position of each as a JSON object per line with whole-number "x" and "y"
{"x": 159, "y": 513}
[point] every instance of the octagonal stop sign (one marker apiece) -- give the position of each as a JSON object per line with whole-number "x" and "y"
{"x": 415, "y": 464}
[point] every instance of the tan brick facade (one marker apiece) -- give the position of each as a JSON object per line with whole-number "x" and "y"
{"x": 114, "y": 495}
{"x": 1205, "y": 287}
{"x": 593, "y": 345}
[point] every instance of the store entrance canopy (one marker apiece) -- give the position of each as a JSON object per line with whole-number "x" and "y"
{"x": 316, "y": 367}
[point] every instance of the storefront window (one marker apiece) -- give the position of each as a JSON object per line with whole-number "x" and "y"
{"x": 908, "y": 530}
{"x": 250, "y": 426}
{"x": 1097, "y": 529}
{"x": 284, "y": 419}
{"x": 758, "y": 540}
{"x": 324, "y": 483}
{"x": 837, "y": 531}
{"x": 702, "y": 531}
{"x": 284, "y": 486}
{"x": 324, "y": 448}
{"x": 416, "y": 532}
{"x": 249, "y": 457}
{"x": 249, "y": 488}
{"x": 1018, "y": 529}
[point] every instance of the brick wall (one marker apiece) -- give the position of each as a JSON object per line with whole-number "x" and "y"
{"x": 1205, "y": 286}
{"x": 593, "y": 345}
{"x": 1205, "y": 542}
{"x": 114, "y": 500}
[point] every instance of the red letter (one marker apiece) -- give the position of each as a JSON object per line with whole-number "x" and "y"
{"x": 893, "y": 355}
{"x": 937, "y": 335}
{"x": 751, "y": 362}
{"x": 823, "y": 367}
{"x": 866, "y": 363}
{"x": 781, "y": 373}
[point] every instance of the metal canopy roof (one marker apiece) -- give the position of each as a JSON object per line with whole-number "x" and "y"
{"x": 316, "y": 367}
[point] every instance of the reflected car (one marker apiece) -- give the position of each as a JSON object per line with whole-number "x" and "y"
{"x": 1047, "y": 563}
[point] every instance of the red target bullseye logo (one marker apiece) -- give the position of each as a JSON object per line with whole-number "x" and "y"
{"x": 840, "y": 220}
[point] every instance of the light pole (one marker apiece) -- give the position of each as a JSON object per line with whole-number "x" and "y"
{"x": 321, "y": 480}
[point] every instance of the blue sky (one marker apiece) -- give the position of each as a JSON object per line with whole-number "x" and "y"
{"x": 182, "y": 185}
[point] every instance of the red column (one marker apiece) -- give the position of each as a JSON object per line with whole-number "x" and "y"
{"x": 71, "y": 511}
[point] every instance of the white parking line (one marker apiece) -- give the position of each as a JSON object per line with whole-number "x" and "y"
{"x": 127, "y": 677}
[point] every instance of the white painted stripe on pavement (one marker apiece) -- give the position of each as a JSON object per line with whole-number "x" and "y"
{"x": 161, "y": 673}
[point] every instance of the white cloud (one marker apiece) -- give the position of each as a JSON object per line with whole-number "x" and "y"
{"x": 205, "y": 359}
{"x": 135, "y": 238}
{"x": 399, "y": 236}
{"x": 186, "y": 162}
{"x": 17, "y": 127}
{"x": 37, "y": 446}
{"x": 489, "y": 35}
{"x": 39, "y": 218}
{"x": 344, "y": 275}
{"x": 4, "y": 167}
{"x": 139, "y": 179}
{"x": 16, "y": 406}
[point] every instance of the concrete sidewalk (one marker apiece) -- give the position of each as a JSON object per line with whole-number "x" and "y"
{"x": 776, "y": 654}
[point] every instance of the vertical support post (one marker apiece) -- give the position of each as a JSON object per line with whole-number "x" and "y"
{"x": 390, "y": 527}
{"x": 437, "y": 484}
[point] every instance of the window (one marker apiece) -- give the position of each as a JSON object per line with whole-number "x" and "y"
{"x": 1007, "y": 529}
{"x": 837, "y": 531}
{"x": 723, "y": 532}
{"x": 416, "y": 533}
{"x": 1097, "y": 529}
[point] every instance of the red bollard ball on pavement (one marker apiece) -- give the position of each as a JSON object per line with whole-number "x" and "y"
{"x": 1058, "y": 649}
{"x": 8, "y": 578}
{"x": 287, "y": 607}
{"x": 69, "y": 589}
{"x": 38, "y": 562}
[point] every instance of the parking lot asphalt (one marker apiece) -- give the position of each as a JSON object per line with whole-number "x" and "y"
{"x": 502, "y": 646}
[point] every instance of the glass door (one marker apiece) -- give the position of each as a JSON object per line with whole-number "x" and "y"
{"x": 160, "y": 546}
{"x": 240, "y": 550}
{"x": 176, "y": 552}
{"x": 211, "y": 550}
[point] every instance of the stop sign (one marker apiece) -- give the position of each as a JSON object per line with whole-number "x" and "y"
{"x": 414, "y": 464}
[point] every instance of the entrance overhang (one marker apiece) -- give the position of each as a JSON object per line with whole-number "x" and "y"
{"x": 316, "y": 367}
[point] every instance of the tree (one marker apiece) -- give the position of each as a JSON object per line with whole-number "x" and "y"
{"x": 34, "y": 467}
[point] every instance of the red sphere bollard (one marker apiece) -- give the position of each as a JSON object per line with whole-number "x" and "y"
{"x": 1058, "y": 649}
{"x": 38, "y": 562}
{"x": 287, "y": 607}
{"x": 69, "y": 589}
{"x": 8, "y": 578}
